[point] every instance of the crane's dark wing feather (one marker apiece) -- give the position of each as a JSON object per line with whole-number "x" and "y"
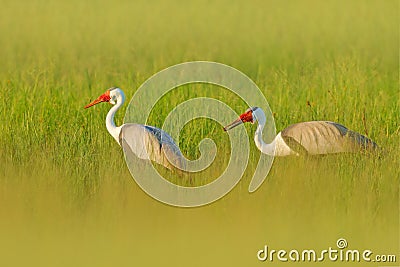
{"x": 358, "y": 139}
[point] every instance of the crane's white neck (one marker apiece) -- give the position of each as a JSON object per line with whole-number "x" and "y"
{"x": 110, "y": 124}
{"x": 265, "y": 148}
{"x": 277, "y": 147}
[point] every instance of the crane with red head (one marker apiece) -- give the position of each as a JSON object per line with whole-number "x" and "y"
{"x": 311, "y": 138}
{"x": 146, "y": 142}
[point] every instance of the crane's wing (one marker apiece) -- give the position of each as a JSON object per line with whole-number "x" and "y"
{"x": 169, "y": 151}
{"x": 324, "y": 137}
{"x": 148, "y": 142}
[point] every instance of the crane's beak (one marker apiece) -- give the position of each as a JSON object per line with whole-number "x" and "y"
{"x": 103, "y": 98}
{"x": 93, "y": 103}
{"x": 233, "y": 124}
{"x": 245, "y": 117}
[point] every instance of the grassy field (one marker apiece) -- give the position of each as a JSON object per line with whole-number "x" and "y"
{"x": 66, "y": 195}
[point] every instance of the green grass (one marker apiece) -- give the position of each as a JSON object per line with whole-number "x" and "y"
{"x": 66, "y": 195}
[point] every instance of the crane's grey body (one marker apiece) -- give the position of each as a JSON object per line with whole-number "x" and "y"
{"x": 324, "y": 137}
{"x": 151, "y": 143}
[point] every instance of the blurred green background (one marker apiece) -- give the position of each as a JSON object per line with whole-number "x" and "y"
{"x": 66, "y": 195}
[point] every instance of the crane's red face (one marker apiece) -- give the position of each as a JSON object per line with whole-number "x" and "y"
{"x": 245, "y": 117}
{"x": 103, "y": 98}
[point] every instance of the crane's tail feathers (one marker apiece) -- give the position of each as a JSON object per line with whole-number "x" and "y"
{"x": 363, "y": 142}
